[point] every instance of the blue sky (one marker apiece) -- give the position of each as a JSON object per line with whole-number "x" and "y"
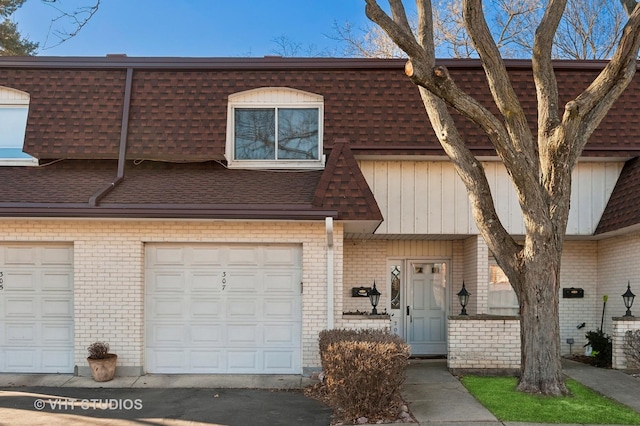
{"x": 193, "y": 27}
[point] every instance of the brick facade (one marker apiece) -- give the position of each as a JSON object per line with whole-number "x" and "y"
{"x": 484, "y": 343}
{"x": 109, "y": 273}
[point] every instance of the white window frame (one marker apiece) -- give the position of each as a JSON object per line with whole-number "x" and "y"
{"x": 12, "y": 98}
{"x": 274, "y": 98}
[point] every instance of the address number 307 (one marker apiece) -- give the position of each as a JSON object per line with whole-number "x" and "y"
{"x": 1, "y": 280}
{"x": 224, "y": 280}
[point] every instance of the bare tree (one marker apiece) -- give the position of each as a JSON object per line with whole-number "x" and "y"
{"x": 70, "y": 21}
{"x": 539, "y": 165}
{"x": 589, "y": 29}
{"x": 64, "y": 25}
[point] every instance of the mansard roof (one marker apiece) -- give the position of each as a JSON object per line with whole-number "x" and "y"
{"x": 178, "y": 106}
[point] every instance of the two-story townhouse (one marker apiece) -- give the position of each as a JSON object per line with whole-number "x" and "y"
{"x": 214, "y": 215}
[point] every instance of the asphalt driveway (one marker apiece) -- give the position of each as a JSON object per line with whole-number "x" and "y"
{"x": 167, "y": 406}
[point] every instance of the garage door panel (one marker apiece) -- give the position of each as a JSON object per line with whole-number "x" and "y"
{"x": 20, "y": 280}
{"x": 206, "y": 309}
{"x": 57, "y": 255}
{"x": 242, "y": 361}
{"x": 20, "y": 255}
{"x": 242, "y": 334}
{"x": 56, "y": 307}
{"x": 20, "y": 307}
{"x": 167, "y": 309}
{"x": 278, "y": 360}
{"x": 21, "y": 360}
{"x": 167, "y": 335}
{"x": 280, "y": 309}
{"x": 57, "y": 360}
{"x": 243, "y": 282}
{"x": 205, "y": 361}
{"x": 206, "y": 281}
{"x": 57, "y": 281}
{"x": 234, "y": 308}
{"x": 206, "y": 256}
{"x": 281, "y": 334}
{"x": 281, "y": 256}
{"x": 206, "y": 334}
{"x": 281, "y": 282}
{"x": 169, "y": 282}
{"x": 173, "y": 256}
{"x": 21, "y": 334}
{"x": 36, "y": 311}
{"x": 242, "y": 309}
{"x": 57, "y": 334}
{"x": 243, "y": 256}
{"x": 167, "y": 360}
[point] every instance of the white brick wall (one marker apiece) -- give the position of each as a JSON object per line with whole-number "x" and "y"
{"x": 618, "y": 263}
{"x": 357, "y": 322}
{"x": 620, "y": 327}
{"x": 482, "y": 342}
{"x": 109, "y": 278}
{"x": 579, "y": 269}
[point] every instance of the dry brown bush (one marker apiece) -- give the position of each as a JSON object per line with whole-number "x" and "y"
{"x": 363, "y": 372}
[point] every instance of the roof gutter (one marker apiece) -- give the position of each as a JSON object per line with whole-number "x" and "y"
{"x": 122, "y": 152}
{"x": 71, "y": 210}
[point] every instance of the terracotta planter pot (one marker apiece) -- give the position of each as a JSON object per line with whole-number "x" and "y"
{"x": 104, "y": 369}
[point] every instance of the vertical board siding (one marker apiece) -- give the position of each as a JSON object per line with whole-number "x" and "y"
{"x": 428, "y": 197}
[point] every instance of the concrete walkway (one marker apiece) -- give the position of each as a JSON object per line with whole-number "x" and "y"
{"x": 436, "y": 398}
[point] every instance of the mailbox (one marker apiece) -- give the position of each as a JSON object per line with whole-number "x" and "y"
{"x": 360, "y": 291}
{"x": 572, "y": 293}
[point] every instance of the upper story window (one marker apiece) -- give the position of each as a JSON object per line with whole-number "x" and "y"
{"x": 14, "y": 107}
{"x": 275, "y": 128}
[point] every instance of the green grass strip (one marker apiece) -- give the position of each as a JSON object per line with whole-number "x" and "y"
{"x": 499, "y": 395}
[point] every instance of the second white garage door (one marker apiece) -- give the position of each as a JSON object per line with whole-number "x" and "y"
{"x": 36, "y": 308}
{"x": 223, "y": 309}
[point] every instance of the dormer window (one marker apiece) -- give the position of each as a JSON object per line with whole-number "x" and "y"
{"x": 14, "y": 107}
{"x": 275, "y": 128}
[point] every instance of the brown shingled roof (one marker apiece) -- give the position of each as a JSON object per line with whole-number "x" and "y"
{"x": 178, "y": 106}
{"x": 174, "y": 190}
{"x": 623, "y": 208}
{"x": 344, "y": 188}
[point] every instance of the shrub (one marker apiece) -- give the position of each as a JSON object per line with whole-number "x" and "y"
{"x": 632, "y": 348}
{"x": 98, "y": 350}
{"x": 364, "y": 371}
{"x": 602, "y": 347}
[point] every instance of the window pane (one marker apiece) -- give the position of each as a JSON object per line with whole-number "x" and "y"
{"x": 13, "y": 122}
{"x": 502, "y": 298}
{"x": 298, "y": 133}
{"x": 255, "y": 134}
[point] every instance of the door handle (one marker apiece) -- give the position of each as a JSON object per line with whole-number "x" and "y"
{"x": 408, "y": 311}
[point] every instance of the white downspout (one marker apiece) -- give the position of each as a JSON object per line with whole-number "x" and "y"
{"x": 330, "y": 272}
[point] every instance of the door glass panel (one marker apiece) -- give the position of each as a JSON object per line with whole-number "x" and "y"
{"x": 395, "y": 287}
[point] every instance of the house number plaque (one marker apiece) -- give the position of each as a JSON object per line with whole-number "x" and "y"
{"x": 1, "y": 280}
{"x": 224, "y": 280}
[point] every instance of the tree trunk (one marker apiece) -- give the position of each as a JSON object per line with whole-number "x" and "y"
{"x": 541, "y": 369}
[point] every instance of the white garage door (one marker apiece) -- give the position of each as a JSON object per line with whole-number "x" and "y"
{"x": 223, "y": 309}
{"x": 36, "y": 308}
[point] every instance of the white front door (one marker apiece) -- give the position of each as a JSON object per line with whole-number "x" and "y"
{"x": 214, "y": 308}
{"x": 36, "y": 308}
{"x": 419, "y": 304}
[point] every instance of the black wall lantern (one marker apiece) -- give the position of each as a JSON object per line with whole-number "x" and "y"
{"x": 463, "y": 297}
{"x": 628, "y": 297}
{"x": 374, "y": 297}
